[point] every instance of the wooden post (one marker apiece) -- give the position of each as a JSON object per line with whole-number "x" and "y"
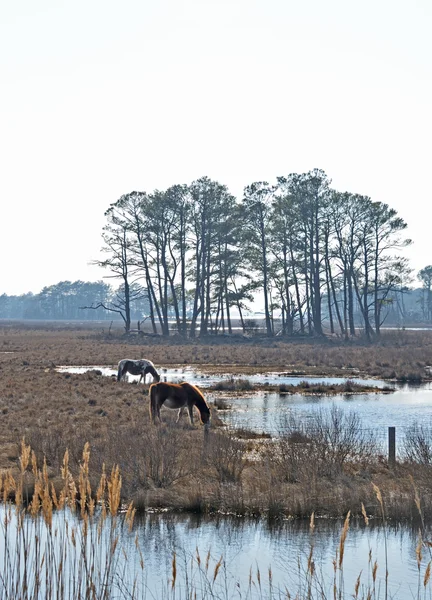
{"x": 392, "y": 446}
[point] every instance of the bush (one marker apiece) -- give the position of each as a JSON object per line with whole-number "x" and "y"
{"x": 417, "y": 446}
{"x": 323, "y": 444}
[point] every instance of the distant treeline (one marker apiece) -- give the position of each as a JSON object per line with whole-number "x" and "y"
{"x": 65, "y": 300}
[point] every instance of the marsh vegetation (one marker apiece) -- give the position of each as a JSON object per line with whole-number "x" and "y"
{"x": 322, "y": 466}
{"x": 77, "y": 447}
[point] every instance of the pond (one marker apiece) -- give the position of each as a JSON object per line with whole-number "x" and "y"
{"x": 256, "y": 556}
{"x": 249, "y": 547}
{"x": 270, "y": 412}
{"x": 197, "y": 377}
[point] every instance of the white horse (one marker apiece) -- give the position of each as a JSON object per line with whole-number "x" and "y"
{"x": 136, "y": 367}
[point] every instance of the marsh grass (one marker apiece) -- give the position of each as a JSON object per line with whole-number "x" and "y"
{"x": 347, "y": 387}
{"x": 397, "y": 355}
{"x": 79, "y": 542}
{"x": 233, "y": 385}
{"x": 240, "y": 384}
{"x": 59, "y": 543}
{"x": 170, "y": 467}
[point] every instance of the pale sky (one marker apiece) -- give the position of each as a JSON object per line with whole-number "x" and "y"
{"x": 99, "y": 98}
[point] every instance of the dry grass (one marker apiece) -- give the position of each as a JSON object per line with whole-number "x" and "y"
{"x": 69, "y": 541}
{"x": 177, "y": 466}
{"x": 399, "y": 354}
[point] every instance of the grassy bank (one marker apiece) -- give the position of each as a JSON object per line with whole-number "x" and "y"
{"x": 304, "y": 387}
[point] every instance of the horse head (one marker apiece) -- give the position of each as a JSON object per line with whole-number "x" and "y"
{"x": 205, "y": 416}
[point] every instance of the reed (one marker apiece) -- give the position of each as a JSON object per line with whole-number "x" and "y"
{"x": 73, "y": 542}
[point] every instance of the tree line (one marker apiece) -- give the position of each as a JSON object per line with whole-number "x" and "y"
{"x": 314, "y": 255}
{"x": 65, "y": 300}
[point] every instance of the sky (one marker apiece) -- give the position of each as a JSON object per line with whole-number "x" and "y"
{"x": 99, "y": 98}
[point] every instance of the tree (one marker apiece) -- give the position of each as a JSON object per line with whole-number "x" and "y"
{"x": 382, "y": 236}
{"x": 117, "y": 244}
{"x": 284, "y": 246}
{"x": 310, "y": 195}
{"x": 257, "y": 213}
{"x": 347, "y": 213}
{"x": 425, "y": 276}
{"x": 122, "y": 303}
{"x": 209, "y": 202}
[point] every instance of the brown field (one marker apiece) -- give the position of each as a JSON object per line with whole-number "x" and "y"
{"x": 176, "y": 466}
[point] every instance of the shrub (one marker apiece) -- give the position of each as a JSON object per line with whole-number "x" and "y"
{"x": 322, "y": 444}
{"x": 225, "y": 455}
{"x": 417, "y": 447}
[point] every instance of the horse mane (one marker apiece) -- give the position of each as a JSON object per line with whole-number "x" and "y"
{"x": 200, "y": 401}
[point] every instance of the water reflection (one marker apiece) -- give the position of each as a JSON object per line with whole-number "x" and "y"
{"x": 255, "y": 546}
{"x": 270, "y": 412}
{"x": 248, "y": 548}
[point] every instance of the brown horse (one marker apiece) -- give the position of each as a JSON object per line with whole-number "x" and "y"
{"x": 177, "y": 396}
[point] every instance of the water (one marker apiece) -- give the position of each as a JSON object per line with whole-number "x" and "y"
{"x": 196, "y": 377}
{"x": 248, "y": 548}
{"x": 255, "y": 545}
{"x": 269, "y": 412}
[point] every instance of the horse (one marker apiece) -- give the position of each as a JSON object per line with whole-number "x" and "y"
{"x": 178, "y": 396}
{"x": 136, "y": 367}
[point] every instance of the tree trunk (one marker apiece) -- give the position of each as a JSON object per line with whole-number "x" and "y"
{"x": 335, "y": 302}
{"x": 269, "y": 329}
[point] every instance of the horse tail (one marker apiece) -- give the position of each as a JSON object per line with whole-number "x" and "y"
{"x": 153, "y": 402}
{"x": 119, "y": 370}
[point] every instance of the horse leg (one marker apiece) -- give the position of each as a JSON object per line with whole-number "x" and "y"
{"x": 190, "y": 411}
{"x": 123, "y": 374}
{"x": 179, "y": 414}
